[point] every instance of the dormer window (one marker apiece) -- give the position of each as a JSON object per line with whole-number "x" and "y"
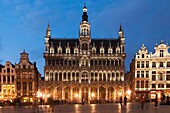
{"x": 51, "y": 50}
{"x": 93, "y": 50}
{"x": 117, "y": 50}
{"x": 102, "y": 50}
{"x": 110, "y": 51}
{"x": 59, "y": 50}
{"x": 76, "y": 50}
{"x": 67, "y": 50}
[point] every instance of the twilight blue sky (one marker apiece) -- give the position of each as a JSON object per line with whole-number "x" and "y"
{"x": 23, "y": 24}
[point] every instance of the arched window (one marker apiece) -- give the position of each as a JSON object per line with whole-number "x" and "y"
{"x": 56, "y": 76}
{"x": 69, "y": 76}
{"x": 60, "y": 76}
{"x": 113, "y": 76}
{"x": 153, "y": 64}
{"x": 100, "y": 76}
{"x": 104, "y": 76}
{"x": 77, "y": 76}
{"x": 117, "y": 76}
{"x": 168, "y": 64}
{"x": 96, "y": 76}
{"x": 116, "y": 62}
{"x": 84, "y": 46}
{"x": 92, "y": 76}
{"x": 64, "y": 76}
{"x": 73, "y": 77}
{"x": 161, "y": 64}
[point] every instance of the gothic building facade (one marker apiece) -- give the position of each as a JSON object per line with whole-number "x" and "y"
{"x": 84, "y": 68}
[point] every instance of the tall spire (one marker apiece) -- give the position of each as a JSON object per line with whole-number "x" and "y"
{"x": 84, "y": 16}
{"x": 48, "y": 28}
{"x": 121, "y": 32}
{"x": 121, "y": 29}
{"x": 48, "y": 31}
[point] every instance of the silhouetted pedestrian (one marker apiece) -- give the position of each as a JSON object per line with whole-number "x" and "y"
{"x": 142, "y": 101}
{"x": 156, "y": 101}
{"x": 125, "y": 100}
{"x": 121, "y": 101}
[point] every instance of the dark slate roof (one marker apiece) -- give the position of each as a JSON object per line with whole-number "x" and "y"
{"x": 73, "y": 41}
{"x": 64, "y": 43}
{"x": 106, "y": 43}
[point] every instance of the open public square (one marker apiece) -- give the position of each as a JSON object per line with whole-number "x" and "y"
{"x": 90, "y": 108}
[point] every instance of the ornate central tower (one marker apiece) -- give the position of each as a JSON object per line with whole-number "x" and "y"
{"x": 84, "y": 33}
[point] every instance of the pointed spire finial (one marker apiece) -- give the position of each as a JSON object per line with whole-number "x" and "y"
{"x": 121, "y": 29}
{"x": 85, "y": 8}
{"x": 84, "y": 16}
{"x": 48, "y": 28}
{"x": 84, "y": 4}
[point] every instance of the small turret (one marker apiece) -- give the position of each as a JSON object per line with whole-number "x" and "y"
{"x": 48, "y": 31}
{"x": 121, "y": 39}
{"x": 47, "y": 38}
{"x": 121, "y": 32}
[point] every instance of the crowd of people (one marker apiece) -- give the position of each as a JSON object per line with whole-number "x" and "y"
{"x": 164, "y": 100}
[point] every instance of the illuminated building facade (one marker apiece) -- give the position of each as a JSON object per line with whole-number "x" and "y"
{"x": 27, "y": 77}
{"x": 84, "y": 68}
{"x": 151, "y": 72}
{"x": 7, "y": 81}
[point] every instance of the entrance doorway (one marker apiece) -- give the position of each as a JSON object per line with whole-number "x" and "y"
{"x": 85, "y": 94}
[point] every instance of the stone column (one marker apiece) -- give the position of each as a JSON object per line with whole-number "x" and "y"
{"x": 54, "y": 76}
{"x": 115, "y": 94}
{"x": 63, "y": 94}
{"x": 89, "y": 98}
{"x": 106, "y": 93}
{"x": 54, "y": 92}
{"x": 71, "y": 94}
{"x": 80, "y": 94}
{"x": 98, "y": 93}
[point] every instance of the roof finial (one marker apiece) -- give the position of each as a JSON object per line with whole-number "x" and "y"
{"x": 48, "y": 28}
{"x": 84, "y": 16}
{"x": 84, "y": 4}
{"x": 121, "y": 29}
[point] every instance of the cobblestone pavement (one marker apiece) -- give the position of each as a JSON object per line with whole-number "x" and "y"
{"x": 91, "y": 108}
